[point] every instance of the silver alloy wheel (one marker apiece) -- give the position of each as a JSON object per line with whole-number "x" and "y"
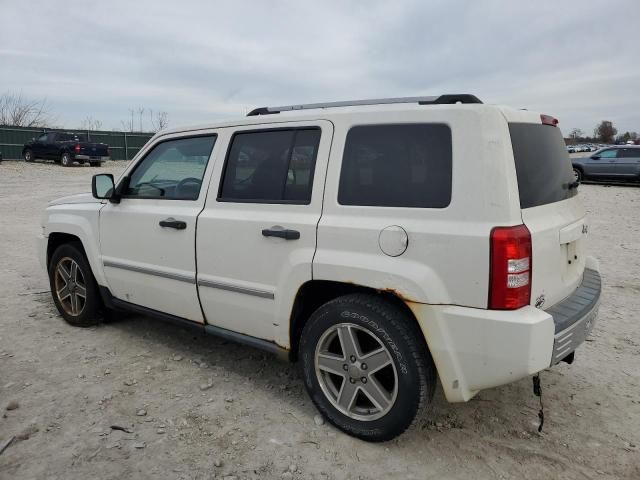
{"x": 27, "y": 156}
{"x": 70, "y": 286}
{"x": 66, "y": 159}
{"x": 356, "y": 372}
{"x": 576, "y": 175}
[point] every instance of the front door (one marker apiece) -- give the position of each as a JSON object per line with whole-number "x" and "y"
{"x": 257, "y": 234}
{"x": 602, "y": 164}
{"x": 148, "y": 239}
{"x": 39, "y": 146}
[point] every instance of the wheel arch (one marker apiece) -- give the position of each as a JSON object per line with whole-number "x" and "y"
{"x": 315, "y": 293}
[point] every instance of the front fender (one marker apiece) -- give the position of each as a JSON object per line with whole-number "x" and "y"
{"x": 80, "y": 221}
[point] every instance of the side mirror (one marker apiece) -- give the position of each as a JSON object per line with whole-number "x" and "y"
{"x": 33, "y": 139}
{"x": 102, "y": 186}
{"x": 595, "y": 157}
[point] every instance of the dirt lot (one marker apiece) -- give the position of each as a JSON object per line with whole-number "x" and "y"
{"x": 197, "y": 407}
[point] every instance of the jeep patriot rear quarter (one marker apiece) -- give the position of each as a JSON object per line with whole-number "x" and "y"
{"x": 383, "y": 243}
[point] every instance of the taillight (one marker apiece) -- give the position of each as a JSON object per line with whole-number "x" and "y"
{"x": 549, "y": 120}
{"x": 510, "y": 262}
{"x": 77, "y": 148}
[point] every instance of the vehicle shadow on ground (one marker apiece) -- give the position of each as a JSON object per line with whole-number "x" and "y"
{"x": 511, "y": 408}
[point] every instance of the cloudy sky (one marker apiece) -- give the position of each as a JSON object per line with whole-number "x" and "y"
{"x": 202, "y": 61}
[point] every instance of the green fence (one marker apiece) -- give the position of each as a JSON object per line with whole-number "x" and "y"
{"x": 124, "y": 145}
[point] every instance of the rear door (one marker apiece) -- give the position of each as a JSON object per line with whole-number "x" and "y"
{"x": 551, "y": 210}
{"x": 257, "y": 234}
{"x": 628, "y": 163}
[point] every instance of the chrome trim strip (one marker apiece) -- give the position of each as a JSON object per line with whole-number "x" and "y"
{"x": 234, "y": 288}
{"x": 133, "y": 268}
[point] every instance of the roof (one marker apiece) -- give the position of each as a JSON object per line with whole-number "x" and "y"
{"x": 318, "y": 111}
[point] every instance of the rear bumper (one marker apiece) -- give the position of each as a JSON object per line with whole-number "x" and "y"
{"x": 89, "y": 158}
{"x": 475, "y": 349}
{"x": 575, "y": 316}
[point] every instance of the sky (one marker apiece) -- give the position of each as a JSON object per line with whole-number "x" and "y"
{"x": 203, "y": 61}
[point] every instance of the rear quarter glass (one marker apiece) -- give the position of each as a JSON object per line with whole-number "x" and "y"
{"x": 543, "y": 167}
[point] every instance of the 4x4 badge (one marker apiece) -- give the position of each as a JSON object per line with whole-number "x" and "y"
{"x": 585, "y": 228}
{"x": 540, "y": 301}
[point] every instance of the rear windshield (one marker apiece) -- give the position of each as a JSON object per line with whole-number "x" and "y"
{"x": 543, "y": 166}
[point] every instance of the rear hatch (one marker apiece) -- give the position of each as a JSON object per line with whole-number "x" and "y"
{"x": 551, "y": 210}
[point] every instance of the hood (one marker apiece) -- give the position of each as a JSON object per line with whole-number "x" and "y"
{"x": 71, "y": 199}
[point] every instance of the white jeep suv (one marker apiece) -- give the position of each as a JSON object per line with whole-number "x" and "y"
{"x": 383, "y": 243}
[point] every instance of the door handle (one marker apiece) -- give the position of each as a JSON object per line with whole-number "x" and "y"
{"x": 280, "y": 232}
{"x": 173, "y": 223}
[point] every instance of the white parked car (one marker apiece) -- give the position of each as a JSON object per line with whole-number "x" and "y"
{"x": 384, "y": 244}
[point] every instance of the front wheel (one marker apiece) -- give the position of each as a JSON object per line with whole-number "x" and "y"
{"x": 366, "y": 366}
{"x": 65, "y": 159}
{"x": 73, "y": 287}
{"x": 28, "y": 155}
{"x": 577, "y": 175}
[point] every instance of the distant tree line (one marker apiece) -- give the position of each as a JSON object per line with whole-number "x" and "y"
{"x": 604, "y": 132}
{"x": 16, "y": 110}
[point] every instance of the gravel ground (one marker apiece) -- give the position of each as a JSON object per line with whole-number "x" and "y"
{"x": 189, "y": 406}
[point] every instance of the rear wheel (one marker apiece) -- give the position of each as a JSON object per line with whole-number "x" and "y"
{"x": 95, "y": 164}
{"x": 73, "y": 287}
{"x": 65, "y": 159}
{"x": 577, "y": 174}
{"x": 366, "y": 366}
{"x": 28, "y": 155}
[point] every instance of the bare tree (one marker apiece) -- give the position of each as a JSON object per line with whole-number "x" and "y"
{"x": 576, "y": 134}
{"x": 159, "y": 121}
{"x": 140, "y": 113}
{"x": 91, "y": 123}
{"x": 19, "y": 111}
{"x": 127, "y": 125}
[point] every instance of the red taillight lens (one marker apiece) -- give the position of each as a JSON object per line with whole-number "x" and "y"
{"x": 77, "y": 147}
{"x": 549, "y": 120}
{"x": 510, "y": 261}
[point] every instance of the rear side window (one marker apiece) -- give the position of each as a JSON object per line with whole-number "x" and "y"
{"x": 631, "y": 153}
{"x": 271, "y": 166}
{"x": 406, "y": 165}
{"x": 543, "y": 166}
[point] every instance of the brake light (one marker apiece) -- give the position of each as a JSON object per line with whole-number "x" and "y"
{"x": 510, "y": 263}
{"x": 549, "y": 120}
{"x": 77, "y": 148}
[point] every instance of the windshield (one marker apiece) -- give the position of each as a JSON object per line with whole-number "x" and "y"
{"x": 543, "y": 166}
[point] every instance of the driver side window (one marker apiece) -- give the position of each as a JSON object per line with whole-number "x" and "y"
{"x": 172, "y": 170}
{"x": 608, "y": 153}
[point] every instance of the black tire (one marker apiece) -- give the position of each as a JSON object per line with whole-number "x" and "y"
{"x": 66, "y": 160}
{"x": 577, "y": 173}
{"x": 28, "y": 155}
{"x": 95, "y": 164}
{"x": 91, "y": 312}
{"x": 393, "y": 328}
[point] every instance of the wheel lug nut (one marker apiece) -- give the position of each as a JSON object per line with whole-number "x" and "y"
{"x": 345, "y": 367}
{"x": 363, "y": 366}
{"x": 352, "y": 358}
{"x": 363, "y": 379}
{"x": 352, "y": 380}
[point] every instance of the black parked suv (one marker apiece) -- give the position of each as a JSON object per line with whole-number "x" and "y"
{"x": 611, "y": 163}
{"x": 65, "y": 148}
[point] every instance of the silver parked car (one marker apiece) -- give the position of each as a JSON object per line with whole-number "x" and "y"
{"x": 610, "y": 163}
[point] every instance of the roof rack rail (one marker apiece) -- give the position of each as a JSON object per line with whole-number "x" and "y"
{"x": 433, "y": 100}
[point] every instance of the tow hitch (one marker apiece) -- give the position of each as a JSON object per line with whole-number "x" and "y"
{"x": 537, "y": 391}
